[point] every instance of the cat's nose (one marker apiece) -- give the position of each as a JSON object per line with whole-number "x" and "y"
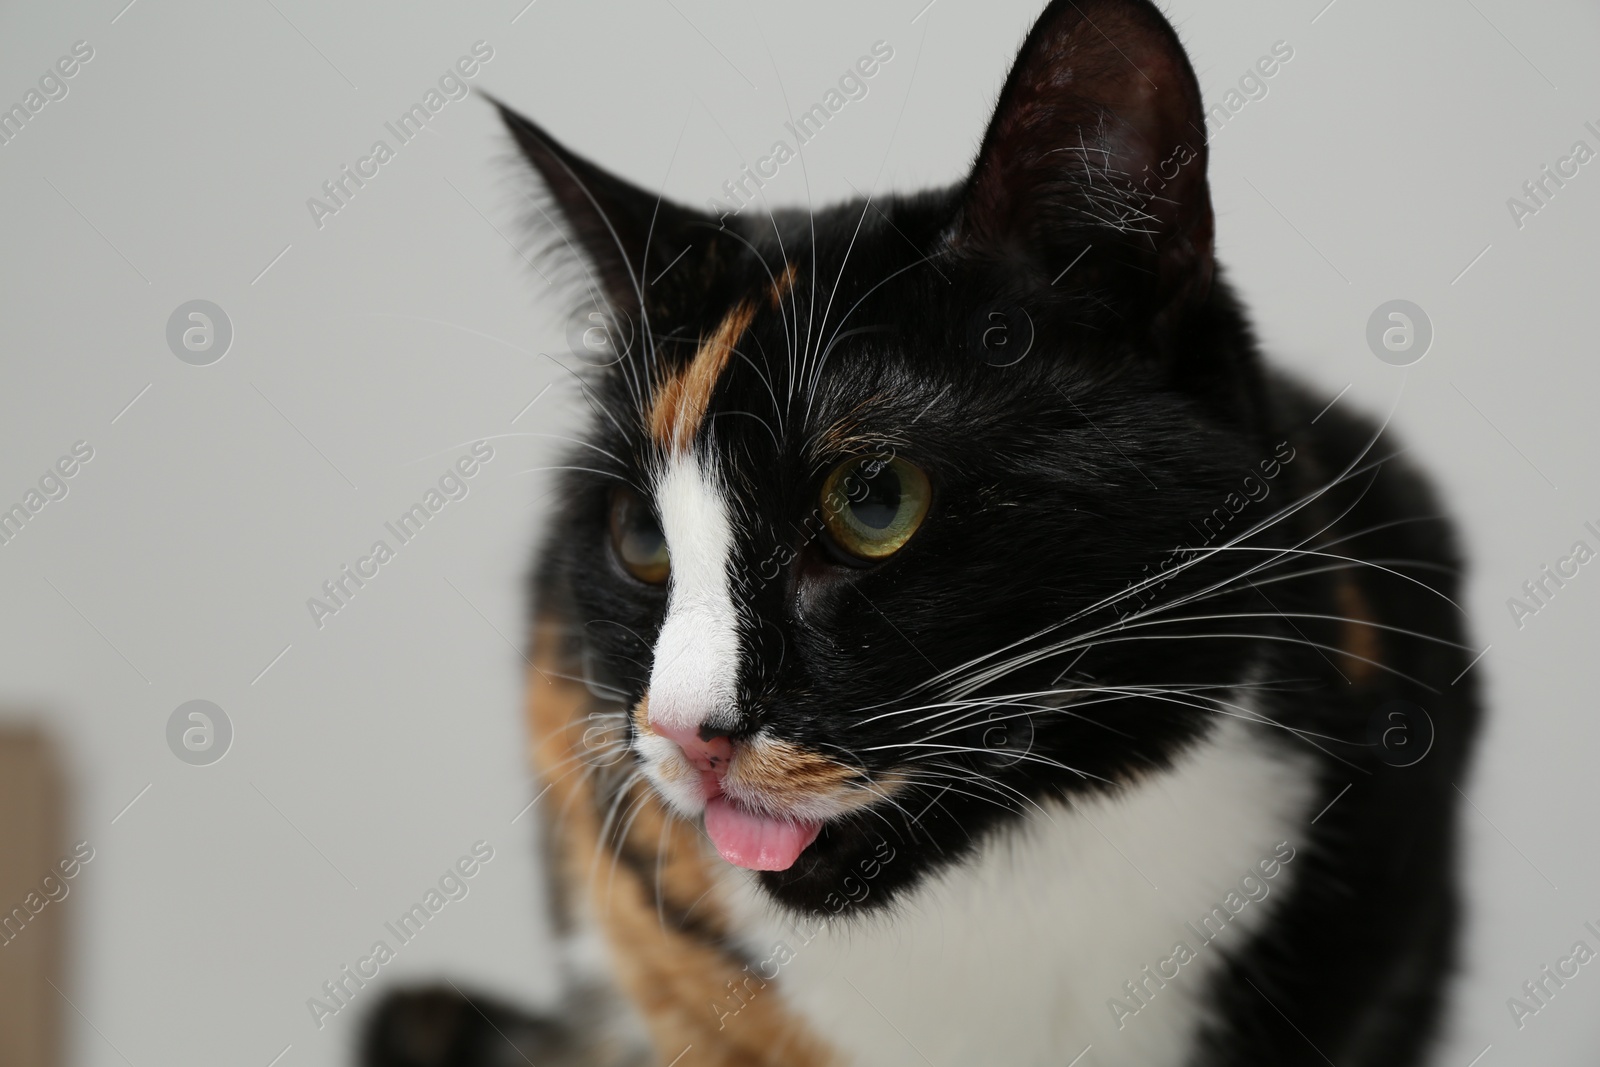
{"x": 707, "y": 747}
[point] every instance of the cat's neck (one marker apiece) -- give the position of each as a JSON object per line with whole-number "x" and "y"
{"x": 1020, "y": 954}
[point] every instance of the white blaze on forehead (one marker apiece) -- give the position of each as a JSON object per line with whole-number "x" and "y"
{"x": 695, "y": 674}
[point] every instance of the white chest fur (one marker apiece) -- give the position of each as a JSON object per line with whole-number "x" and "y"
{"x": 1018, "y": 956}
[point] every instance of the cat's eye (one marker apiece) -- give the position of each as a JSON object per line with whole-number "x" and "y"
{"x": 637, "y": 539}
{"x": 873, "y": 504}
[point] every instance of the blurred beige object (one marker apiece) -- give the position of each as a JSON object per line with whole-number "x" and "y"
{"x": 30, "y": 944}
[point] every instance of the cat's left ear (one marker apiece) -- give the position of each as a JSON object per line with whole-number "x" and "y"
{"x": 1096, "y": 160}
{"x": 629, "y": 236}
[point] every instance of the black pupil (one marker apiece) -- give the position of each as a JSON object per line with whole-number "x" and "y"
{"x": 875, "y": 497}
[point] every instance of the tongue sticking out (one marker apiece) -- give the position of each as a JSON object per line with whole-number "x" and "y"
{"x": 757, "y": 842}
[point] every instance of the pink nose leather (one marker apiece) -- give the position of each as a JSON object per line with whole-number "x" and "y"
{"x": 707, "y": 756}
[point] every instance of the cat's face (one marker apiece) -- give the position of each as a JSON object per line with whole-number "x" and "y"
{"x": 859, "y": 530}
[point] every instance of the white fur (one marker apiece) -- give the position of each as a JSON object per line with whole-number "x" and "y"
{"x": 696, "y": 669}
{"x": 1012, "y": 957}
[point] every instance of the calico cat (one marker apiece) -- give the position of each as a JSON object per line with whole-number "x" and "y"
{"x": 954, "y": 646}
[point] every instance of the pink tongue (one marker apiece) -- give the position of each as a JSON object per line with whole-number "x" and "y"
{"x": 757, "y": 842}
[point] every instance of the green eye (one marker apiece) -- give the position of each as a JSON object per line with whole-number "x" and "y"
{"x": 872, "y": 505}
{"x": 637, "y": 539}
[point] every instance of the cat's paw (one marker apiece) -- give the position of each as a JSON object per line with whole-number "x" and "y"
{"x": 439, "y": 1027}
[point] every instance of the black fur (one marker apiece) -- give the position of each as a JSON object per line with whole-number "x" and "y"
{"x": 439, "y": 1027}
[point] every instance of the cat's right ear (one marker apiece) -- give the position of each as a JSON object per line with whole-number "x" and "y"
{"x": 629, "y": 236}
{"x": 1092, "y": 175}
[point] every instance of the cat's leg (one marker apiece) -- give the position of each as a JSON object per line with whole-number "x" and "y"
{"x": 440, "y": 1026}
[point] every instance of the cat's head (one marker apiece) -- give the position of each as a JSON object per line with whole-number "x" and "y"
{"x": 873, "y": 497}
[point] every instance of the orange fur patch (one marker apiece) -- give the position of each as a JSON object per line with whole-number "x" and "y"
{"x": 787, "y": 773}
{"x": 681, "y": 402}
{"x": 641, "y": 715}
{"x": 1358, "y": 638}
{"x": 680, "y": 980}
{"x": 782, "y": 285}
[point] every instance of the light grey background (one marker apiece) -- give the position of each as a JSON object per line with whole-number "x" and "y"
{"x": 368, "y": 355}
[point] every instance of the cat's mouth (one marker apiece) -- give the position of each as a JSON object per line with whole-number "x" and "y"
{"x": 764, "y": 800}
